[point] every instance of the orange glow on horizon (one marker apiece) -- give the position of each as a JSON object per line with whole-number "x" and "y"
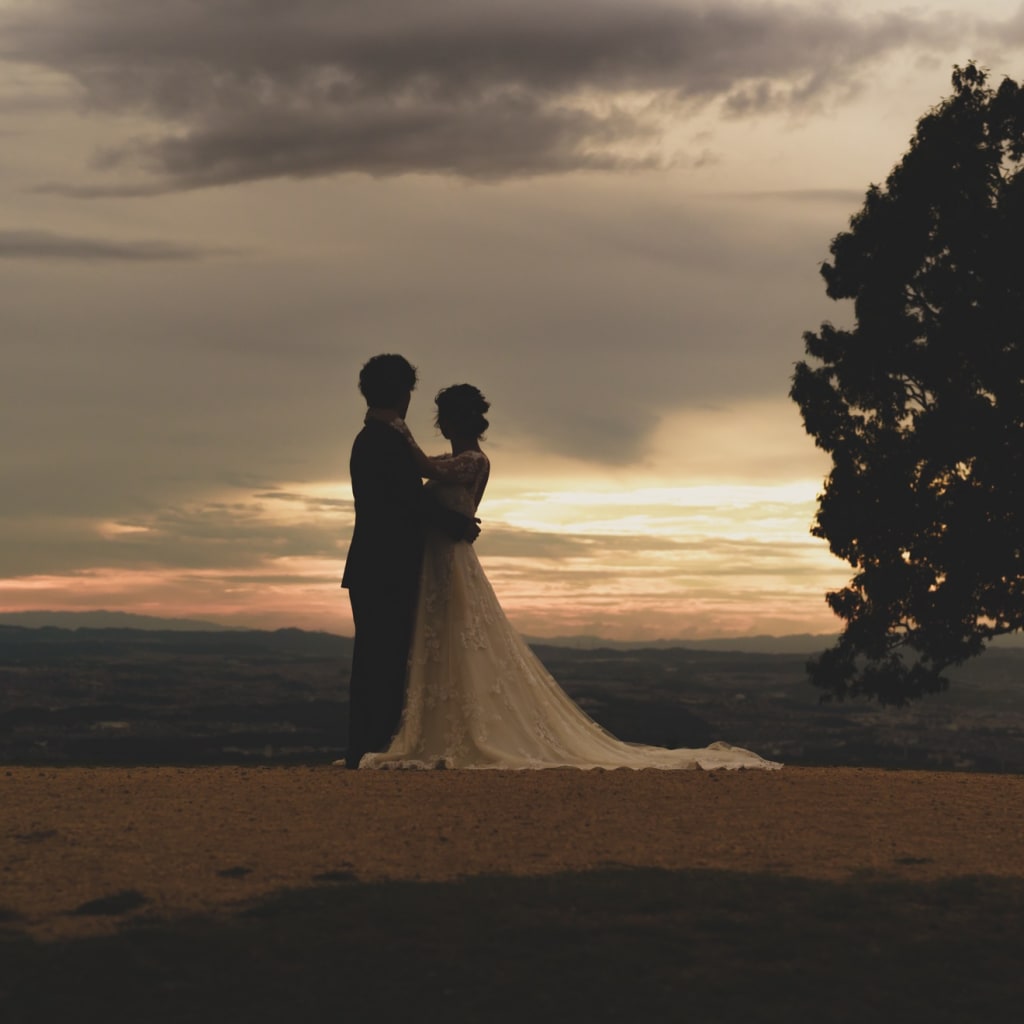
{"x": 621, "y": 552}
{"x": 623, "y": 563}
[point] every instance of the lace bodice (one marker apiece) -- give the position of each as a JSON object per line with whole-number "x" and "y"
{"x": 459, "y": 480}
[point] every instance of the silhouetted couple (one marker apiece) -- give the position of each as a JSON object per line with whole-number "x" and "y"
{"x": 440, "y": 679}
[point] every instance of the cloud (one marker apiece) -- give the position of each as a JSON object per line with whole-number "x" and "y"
{"x": 586, "y": 315}
{"x": 242, "y": 90}
{"x": 46, "y": 245}
{"x": 202, "y": 536}
{"x": 506, "y": 542}
{"x": 309, "y": 504}
{"x": 272, "y": 530}
{"x": 846, "y": 197}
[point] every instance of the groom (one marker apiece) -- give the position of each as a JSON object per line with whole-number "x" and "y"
{"x": 383, "y": 567}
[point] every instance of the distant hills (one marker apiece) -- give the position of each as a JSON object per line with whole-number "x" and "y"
{"x": 802, "y": 643}
{"x": 112, "y": 620}
{"x": 795, "y": 643}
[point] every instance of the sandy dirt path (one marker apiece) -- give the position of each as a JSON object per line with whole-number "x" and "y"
{"x": 208, "y": 840}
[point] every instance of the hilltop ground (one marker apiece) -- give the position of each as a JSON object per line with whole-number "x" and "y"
{"x": 313, "y": 893}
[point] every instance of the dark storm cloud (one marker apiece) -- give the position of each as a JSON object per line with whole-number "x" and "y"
{"x": 46, "y": 245}
{"x": 253, "y": 89}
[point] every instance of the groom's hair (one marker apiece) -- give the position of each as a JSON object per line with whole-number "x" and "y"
{"x": 386, "y": 379}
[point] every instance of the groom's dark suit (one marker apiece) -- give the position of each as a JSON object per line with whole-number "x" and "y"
{"x": 382, "y": 576}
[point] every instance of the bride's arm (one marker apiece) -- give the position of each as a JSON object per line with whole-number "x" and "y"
{"x": 423, "y": 461}
{"x": 457, "y": 469}
{"x": 455, "y": 524}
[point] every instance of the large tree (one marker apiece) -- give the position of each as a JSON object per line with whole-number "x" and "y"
{"x": 921, "y": 403}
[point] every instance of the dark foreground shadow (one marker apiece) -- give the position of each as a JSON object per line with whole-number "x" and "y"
{"x": 615, "y": 945}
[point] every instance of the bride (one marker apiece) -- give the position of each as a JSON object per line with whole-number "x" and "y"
{"x": 477, "y": 696}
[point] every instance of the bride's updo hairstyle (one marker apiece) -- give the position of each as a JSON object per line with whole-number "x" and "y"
{"x": 462, "y": 409}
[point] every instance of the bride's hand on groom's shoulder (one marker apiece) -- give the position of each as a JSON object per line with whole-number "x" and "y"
{"x": 400, "y": 425}
{"x": 386, "y": 417}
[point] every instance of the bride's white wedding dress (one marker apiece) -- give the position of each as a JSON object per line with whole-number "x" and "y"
{"x": 477, "y": 696}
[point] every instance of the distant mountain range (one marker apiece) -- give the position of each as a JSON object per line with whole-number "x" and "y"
{"x": 796, "y": 643}
{"x": 793, "y": 643}
{"x": 111, "y": 620}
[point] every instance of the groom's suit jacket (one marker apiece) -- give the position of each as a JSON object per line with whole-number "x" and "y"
{"x": 387, "y": 542}
{"x": 392, "y": 512}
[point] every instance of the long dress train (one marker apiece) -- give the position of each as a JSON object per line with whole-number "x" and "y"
{"x": 478, "y": 697}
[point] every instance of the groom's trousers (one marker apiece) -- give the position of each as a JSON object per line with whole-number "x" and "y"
{"x": 383, "y": 631}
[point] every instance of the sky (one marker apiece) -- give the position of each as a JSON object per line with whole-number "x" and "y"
{"x": 607, "y": 214}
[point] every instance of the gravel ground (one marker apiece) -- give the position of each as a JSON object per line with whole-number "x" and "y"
{"x": 85, "y": 851}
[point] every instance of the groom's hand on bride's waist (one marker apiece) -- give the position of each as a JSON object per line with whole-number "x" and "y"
{"x": 458, "y": 526}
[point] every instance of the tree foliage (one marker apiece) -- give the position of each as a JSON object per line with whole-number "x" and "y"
{"x": 921, "y": 403}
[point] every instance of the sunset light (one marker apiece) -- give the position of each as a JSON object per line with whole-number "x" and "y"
{"x": 616, "y": 236}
